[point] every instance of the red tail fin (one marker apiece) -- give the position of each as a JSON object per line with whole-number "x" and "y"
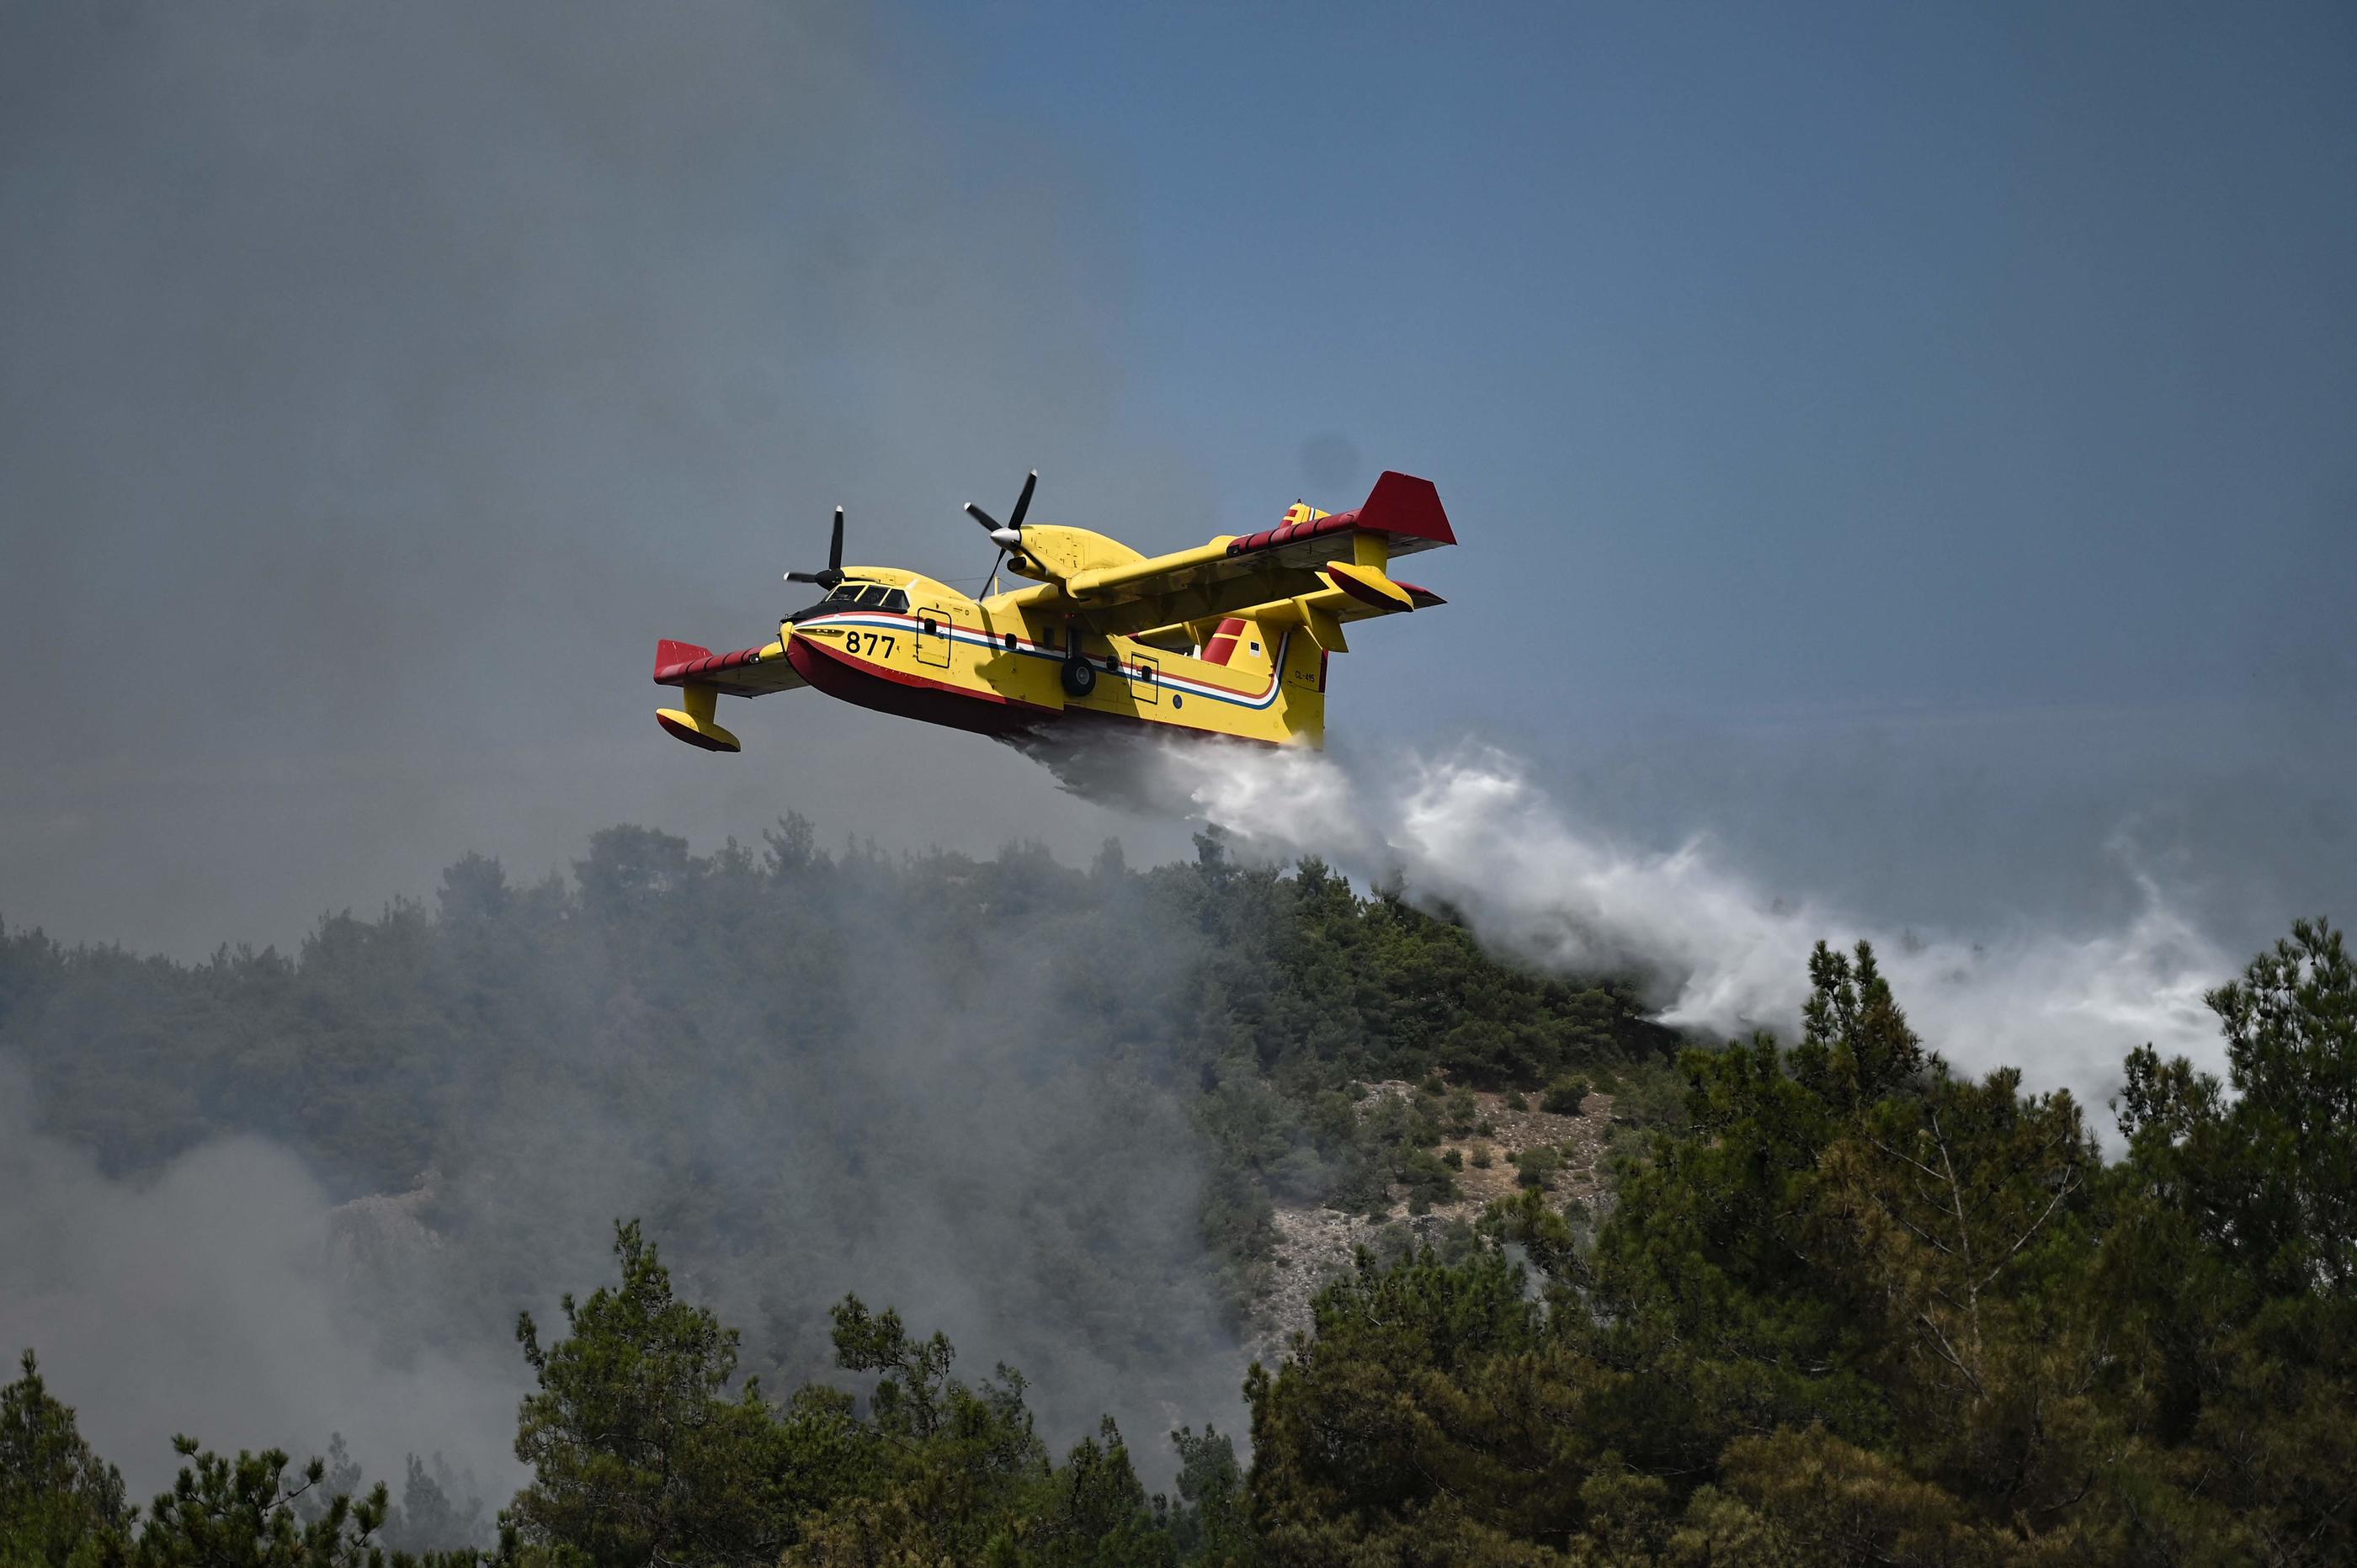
{"x": 1222, "y": 646}
{"x": 1404, "y": 504}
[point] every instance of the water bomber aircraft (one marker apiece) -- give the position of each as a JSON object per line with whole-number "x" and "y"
{"x": 1227, "y": 638}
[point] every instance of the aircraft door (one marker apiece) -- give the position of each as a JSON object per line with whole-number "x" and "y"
{"x": 1146, "y": 679}
{"x": 933, "y": 637}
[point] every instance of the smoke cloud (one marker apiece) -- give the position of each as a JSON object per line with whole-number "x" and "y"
{"x": 379, "y": 385}
{"x": 915, "y": 1081}
{"x": 218, "y": 1297}
{"x": 1474, "y": 832}
{"x": 381, "y": 382}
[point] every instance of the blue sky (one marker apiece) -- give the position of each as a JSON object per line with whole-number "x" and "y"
{"x": 1778, "y": 356}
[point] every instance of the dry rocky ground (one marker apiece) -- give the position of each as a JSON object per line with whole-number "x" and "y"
{"x": 1316, "y": 1244}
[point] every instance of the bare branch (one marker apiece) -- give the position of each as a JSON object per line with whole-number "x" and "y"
{"x": 1948, "y": 1354}
{"x": 2070, "y": 1184}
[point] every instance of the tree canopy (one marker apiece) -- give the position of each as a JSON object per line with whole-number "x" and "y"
{"x": 1863, "y": 1308}
{"x": 1839, "y": 1301}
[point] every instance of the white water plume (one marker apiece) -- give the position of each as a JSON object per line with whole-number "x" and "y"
{"x": 1721, "y": 954}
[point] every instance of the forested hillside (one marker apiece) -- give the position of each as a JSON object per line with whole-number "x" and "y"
{"x": 1053, "y": 1110}
{"x": 1843, "y": 1304}
{"x": 786, "y": 1052}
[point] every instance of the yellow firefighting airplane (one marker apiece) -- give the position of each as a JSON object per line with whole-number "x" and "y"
{"x": 1227, "y": 638}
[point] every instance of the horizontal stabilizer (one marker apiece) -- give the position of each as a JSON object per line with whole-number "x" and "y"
{"x": 1403, "y": 509}
{"x": 1369, "y": 586}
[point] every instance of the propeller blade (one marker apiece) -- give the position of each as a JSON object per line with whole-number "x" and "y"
{"x": 1008, "y": 536}
{"x": 833, "y": 573}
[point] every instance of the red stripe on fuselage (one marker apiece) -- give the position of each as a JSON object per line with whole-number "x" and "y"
{"x": 886, "y": 691}
{"x": 903, "y": 696}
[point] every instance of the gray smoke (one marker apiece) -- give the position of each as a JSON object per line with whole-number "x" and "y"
{"x": 1473, "y": 829}
{"x": 219, "y": 1296}
{"x": 381, "y": 382}
{"x": 963, "y": 1116}
{"x": 922, "y": 1082}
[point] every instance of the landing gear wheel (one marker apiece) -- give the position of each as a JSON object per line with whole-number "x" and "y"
{"x": 1080, "y": 677}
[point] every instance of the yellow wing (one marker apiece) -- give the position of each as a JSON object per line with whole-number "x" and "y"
{"x": 1316, "y": 571}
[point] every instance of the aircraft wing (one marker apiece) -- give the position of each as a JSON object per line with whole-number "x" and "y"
{"x": 747, "y": 672}
{"x": 1327, "y": 569}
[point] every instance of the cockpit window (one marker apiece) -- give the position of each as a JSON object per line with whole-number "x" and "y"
{"x": 855, "y": 591}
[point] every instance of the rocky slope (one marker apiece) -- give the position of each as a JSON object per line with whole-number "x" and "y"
{"x": 1315, "y": 1244}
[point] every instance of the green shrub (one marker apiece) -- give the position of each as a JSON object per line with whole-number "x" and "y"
{"x": 1649, "y": 1095}
{"x": 1453, "y": 1158}
{"x": 1425, "y": 1176}
{"x": 1517, "y": 1100}
{"x": 1538, "y": 1166}
{"x": 1482, "y": 1156}
{"x": 1564, "y": 1096}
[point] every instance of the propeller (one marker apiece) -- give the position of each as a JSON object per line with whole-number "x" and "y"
{"x": 1008, "y": 536}
{"x": 833, "y": 573}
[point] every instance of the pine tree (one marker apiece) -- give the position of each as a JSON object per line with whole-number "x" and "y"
{"x": 59, "y": 1502}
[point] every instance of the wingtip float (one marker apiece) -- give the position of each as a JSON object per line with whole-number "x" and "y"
{"x": 1231, "y": 638}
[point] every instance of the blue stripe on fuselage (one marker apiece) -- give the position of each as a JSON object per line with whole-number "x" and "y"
{"x": 881, "y": 620}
